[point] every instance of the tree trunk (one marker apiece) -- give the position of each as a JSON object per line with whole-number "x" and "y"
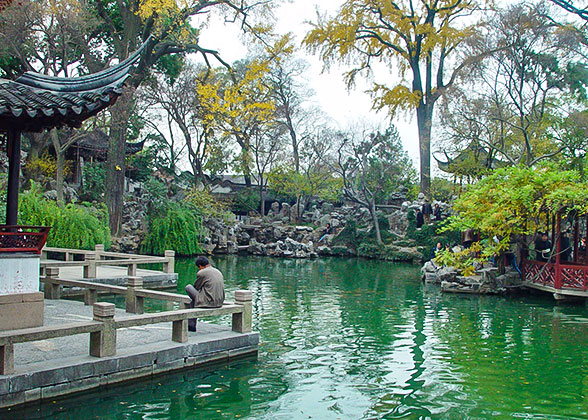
{"x": 245, "y": 159}
{"x": 294, "y": 139}
{"x": 59, "y": 154}
{"x": 261, "y": 200}
{"x": 424, "y": 123}
{"x": 37, "y": 141}
{"x": 115, "y": 167}
{"x": 374, "y": 214}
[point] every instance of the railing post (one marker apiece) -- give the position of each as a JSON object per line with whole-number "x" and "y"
{"x": 6, "y": 359}
{"x": 169, "y": 265}
{"x": 103, "y": 343}
{"x": 134, "y": 303}
{"x": 90, "y": 297}
{"x": 90, "y": 269}
{"x": 52, "y": 290}
{"x": 180, "y": 331}
{"x": 242, "y": 320}
{"x": 99, "y": 251}
{"x": 132, "y": 270}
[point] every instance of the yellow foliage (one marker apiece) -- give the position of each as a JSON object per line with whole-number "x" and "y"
{"x": 46, "y": 166}
{"x": 400, "y": 97}
{"x": 149, "y": 8}
{"x": 235, "y": 107}
{"x": 405, "y": 31}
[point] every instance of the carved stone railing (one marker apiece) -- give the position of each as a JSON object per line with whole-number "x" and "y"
{"x": 90, "y": 260}
{"x": 104, "y": 325}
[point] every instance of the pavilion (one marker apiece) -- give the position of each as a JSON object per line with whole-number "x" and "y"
{"x": 564, "y": 279}
{"x": 33, "y": 103}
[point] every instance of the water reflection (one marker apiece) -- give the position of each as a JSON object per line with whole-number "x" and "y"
{"x": 360, "y": 339}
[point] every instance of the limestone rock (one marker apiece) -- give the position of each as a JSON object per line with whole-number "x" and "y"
{"x": 447, "y": 274}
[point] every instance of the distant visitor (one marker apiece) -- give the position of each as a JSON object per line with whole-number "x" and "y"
{"x": 543, "y": 247}
{"x": 419, "y": 218}
{"x": 328, "y": 231}
{"x": 437, "y": 212}
{"x": 427, "y": 211}
{"x": 209, "y": 289}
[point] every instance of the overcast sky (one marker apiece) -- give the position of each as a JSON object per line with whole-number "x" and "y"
{"x": 331, "y": 94}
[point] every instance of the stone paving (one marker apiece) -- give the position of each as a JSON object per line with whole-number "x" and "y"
{"x": 59, "y": 366}
{"x": 117, "y": 275}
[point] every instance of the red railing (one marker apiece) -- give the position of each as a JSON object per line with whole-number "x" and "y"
{"x": 558, "y": 276}
{"x": 23, "y": 238}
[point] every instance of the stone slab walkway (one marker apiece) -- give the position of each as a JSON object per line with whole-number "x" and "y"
{"x": 117, "y": 275}
{"x": 51, "y": 368}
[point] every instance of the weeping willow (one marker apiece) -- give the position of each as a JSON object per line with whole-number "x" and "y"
{"x": 178, "y": 228}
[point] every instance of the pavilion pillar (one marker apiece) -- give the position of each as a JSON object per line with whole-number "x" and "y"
{"x": 557, "y": 280}
{"x": 13, "y": 146}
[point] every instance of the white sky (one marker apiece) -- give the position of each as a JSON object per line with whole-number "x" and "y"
{"x": 344, "y": 107}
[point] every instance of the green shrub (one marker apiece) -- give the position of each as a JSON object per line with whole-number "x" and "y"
{"x": 390, "y": 252}
{"x": 94, "y": 182}
{"x": 369, "y": 250}
{"x": 72, "y": 226}
{"x": 208, "y": 205}
{"x": 246, "y": 200}
{"x": 443, "y": 189}
{"x": 178, "y": 228}
{"x": 140, "y": 166}
{"x": 158, "y": 194}
{"x": 427, "y": 235}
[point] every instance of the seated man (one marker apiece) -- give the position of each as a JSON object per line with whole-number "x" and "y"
{"x": 328, "y": 231}
{"x": 208, "y": 290}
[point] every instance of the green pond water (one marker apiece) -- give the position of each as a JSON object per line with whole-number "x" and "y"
{"x": 362, "y": 339}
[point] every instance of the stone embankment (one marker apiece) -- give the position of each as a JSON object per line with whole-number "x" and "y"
{"x": 282, "y": 234}
{"x": 485, "y": 281}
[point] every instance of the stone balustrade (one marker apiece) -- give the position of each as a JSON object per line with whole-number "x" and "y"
{"x": 104, "y": 325}
{"x": 99, "y": 257}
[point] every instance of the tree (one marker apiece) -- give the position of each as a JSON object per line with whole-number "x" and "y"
{"x": 421, "y": 36}
{"x": 521, "y": 90}
{"x": 178, "y": 100}
{"x": 42, "y": 36}
{"x": 238, "y": 104}
{"x": 372, "y": 164}
{"x": 512, "y": 205}
{"x": 569, "y": 6}
{"x": 265, "y": 148}
{"x": 289, "y": 96}
{"x": 573, "y": 132}
{"x": 167, "y": 28}
{"x": 116, "y": 30}
{"x": 61, "y": 141}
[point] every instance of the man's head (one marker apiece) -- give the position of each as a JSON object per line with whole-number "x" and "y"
{"x": 202, "y": 262}
{"x": 544, "y": 236}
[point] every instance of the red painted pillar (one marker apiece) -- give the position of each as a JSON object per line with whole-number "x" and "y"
{"x": 557, "y": 282}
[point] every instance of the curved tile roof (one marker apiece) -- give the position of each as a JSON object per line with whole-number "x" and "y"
{"x": 35, "y": 102}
